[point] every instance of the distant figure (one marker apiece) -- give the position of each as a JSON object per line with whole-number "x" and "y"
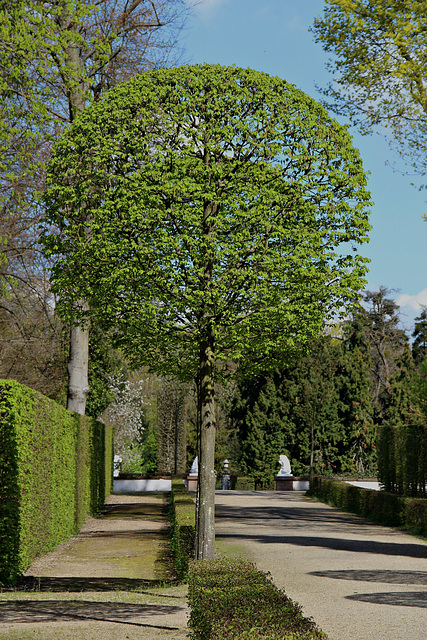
{"x": 194, "y": 471}
{"x": 285, "y": 466}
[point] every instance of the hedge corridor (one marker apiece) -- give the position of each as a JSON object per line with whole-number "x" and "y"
{"x": 55, "y": 471}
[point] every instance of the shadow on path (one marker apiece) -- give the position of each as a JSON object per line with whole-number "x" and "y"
{"x": 47, "y": 611}
{"x": 338, "y": 544}
{"x": 299, "y": 516}
{"x": 132, "y": 510}
{"x": 79, "y": 585}
{"x": 383, "y": 575}
{"x": 400, "y": 599}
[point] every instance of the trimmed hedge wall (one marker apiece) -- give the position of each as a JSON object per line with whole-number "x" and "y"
{"x": 55, "y": 470}
{"x": 244, "y": 484}
{"x": 233, "y": 600}
{"x": 380, "y": 506}
{"x": 182, "y": 515}
{"x": 402, "y": 459}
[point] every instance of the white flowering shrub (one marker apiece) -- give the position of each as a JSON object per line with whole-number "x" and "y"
{"x": 126, "y": 413}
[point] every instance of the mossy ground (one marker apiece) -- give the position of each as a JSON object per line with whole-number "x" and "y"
{"x": 113, "y": 581}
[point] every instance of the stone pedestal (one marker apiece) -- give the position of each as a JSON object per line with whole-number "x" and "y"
{"x": 284, "y": 483}
{"x": 192, "y": 482}
{"x": 292, "y": 483}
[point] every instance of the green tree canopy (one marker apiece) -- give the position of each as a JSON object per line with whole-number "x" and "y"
{"x": 209, "y": 214}
{"x": 379, "y": 64}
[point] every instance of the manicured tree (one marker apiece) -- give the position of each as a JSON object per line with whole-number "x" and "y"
{"x": 200, "y": 212}
{"x": 405, "y": 425}
{"x": 171, "y": 427}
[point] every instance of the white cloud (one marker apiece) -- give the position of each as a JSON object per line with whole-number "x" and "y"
{"x": 205, "y": 8}
{"x": 414, "y": 302}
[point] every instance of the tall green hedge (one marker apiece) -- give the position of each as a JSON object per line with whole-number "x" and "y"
{"x": 55, "y": 470}
{"x": 402, "y": 459}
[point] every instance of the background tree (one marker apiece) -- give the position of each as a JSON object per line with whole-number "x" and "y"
{"x": 379, "y": 51}
{"x": 318, "y": 410}
{"x": 419, "y": 345}
{"x": 171, "y": 427}
{"x": 387, "y": 342}
{"x": 263, "y": 417}
{"x": 55, "y": 58}
{"x": 132, "y": 411}
{"x": 353, "y": 379}
{"x": 215, "y": 200}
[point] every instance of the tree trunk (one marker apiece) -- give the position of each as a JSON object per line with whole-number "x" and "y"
{"x": 205, "y": 519}
{"x": 78, "y": 365}
{"x": 312, "y": 450}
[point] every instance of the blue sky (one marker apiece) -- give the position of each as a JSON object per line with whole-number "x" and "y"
{"x": 273, "y": 36}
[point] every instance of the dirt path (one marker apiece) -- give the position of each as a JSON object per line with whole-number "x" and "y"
{"x": 111, "y": 581}
{"x": 356, "y": 579}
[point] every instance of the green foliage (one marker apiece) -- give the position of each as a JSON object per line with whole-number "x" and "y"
{"x": 222, "y": 213}
{"x": 103, "y": 363}
{"x": 232, "y": 600}
{"x": 244, "y": 484}
{"x": 182, "y": 511}
{"x": 402, "y": 438}
{"x": 141, "y": 457}
{"x": 378, "y": 62}
{"x": 355, "y": 410}
{"x": 380, "y": 506}
{"x": 317, "y": 412}
{"x": 262, "y": 413}
{"x": 420, "y": 387}
{"x": 56, "y": 469}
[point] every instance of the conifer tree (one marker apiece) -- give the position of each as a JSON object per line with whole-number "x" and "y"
{"x": 261, "y": 412}
{"x": 353, "y": 379}
{"x": 419, "y": 346}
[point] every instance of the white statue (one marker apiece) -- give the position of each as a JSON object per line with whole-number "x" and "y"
{"x": 194, "y": 471}
{"x": 117, "y": 465}
{"x": 285, "y": 466}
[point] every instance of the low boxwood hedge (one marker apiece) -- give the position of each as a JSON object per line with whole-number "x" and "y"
{"x": 182, "y": 514}
{"x": 231, "y": 600}
{"x": 380, "y": 506}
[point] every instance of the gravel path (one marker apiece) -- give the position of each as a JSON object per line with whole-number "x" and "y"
{"x": 110, "y": 582}
{"x": 359, "y": 581}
